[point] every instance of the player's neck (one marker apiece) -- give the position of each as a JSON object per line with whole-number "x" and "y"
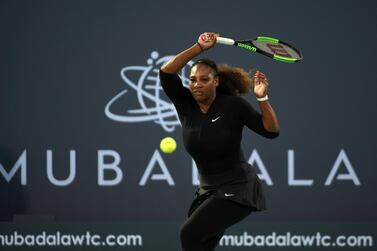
{"x": 206, "y": 104}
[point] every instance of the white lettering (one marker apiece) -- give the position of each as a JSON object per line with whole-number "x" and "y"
{"x": 72, "y": 169}
{"x": 114, "y": 166}
{"x": 156, "y": 158}
{"x": 254, "y": 157}
{"x": 195, "y": 179}
{"x": 342, "y": 157}
{"x": 291, "y": 172}
{"x": 20, "y": 164}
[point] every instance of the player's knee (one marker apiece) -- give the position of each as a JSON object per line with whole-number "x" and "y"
{"x": 190, "y": 237}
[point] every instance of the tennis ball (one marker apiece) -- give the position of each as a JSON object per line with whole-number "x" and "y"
{"x": 168, "y": 145}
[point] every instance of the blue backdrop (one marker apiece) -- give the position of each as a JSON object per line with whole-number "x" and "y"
{"x": 82, "y": 114}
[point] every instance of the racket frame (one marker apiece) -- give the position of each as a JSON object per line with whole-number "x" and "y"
{"x": 248, "y": 45}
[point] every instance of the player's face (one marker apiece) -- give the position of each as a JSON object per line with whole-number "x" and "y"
{"x": 203, "y": 82}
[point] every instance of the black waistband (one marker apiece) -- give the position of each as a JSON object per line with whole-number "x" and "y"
{"x": 217, "y": 179}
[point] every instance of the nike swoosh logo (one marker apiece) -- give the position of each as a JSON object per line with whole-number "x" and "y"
{"x": 229, "y": 194}
{"x": 214, "y": 120}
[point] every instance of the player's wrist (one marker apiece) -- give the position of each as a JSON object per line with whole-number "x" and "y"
{"x": 200, "y": 46}
{"x": 265, "y": 98}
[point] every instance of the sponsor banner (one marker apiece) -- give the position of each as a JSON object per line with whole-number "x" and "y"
{"x": 165, "y": 236}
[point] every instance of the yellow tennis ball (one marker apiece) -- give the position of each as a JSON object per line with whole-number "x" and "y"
{"x": 168, "y": 145}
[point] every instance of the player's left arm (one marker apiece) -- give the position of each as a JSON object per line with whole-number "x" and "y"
{"x": 269, "y": 118}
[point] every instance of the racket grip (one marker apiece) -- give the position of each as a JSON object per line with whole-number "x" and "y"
{"x": 224, "y": 40}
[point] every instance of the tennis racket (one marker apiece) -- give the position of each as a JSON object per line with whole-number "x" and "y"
{"x": 268, "y": 46}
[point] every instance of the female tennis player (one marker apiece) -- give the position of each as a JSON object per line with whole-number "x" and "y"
{"x": 213, "y": 114}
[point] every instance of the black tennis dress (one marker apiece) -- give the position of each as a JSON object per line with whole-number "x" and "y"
{"x": 213, "y": 140}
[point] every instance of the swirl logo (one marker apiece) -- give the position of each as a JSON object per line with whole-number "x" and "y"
{"x": 153, "y": 103}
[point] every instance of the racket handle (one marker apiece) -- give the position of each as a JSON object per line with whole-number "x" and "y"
{"x": 224, "y": 40}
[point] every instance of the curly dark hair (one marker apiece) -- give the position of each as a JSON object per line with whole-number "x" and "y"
{"x": 233, "y": 81}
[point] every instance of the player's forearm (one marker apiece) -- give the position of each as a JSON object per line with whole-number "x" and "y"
{"x": 269, "y": 118}
{"x": 176, "y": 63}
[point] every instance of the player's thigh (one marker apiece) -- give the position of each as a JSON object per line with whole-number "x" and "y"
{"x": 215, "y": 215}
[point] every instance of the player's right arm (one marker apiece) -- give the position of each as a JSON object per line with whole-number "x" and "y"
{"x": 205, "y": 41}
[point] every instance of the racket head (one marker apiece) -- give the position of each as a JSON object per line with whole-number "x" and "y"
{"x": 274, "y": 48}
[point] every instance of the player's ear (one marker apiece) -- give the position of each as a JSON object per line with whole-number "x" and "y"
{"x": 216, "y": 80}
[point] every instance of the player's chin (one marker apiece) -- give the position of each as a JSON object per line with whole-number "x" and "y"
{"x": 199, "y": 97}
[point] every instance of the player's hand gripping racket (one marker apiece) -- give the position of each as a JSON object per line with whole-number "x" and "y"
{"x": 268, "y": 46}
